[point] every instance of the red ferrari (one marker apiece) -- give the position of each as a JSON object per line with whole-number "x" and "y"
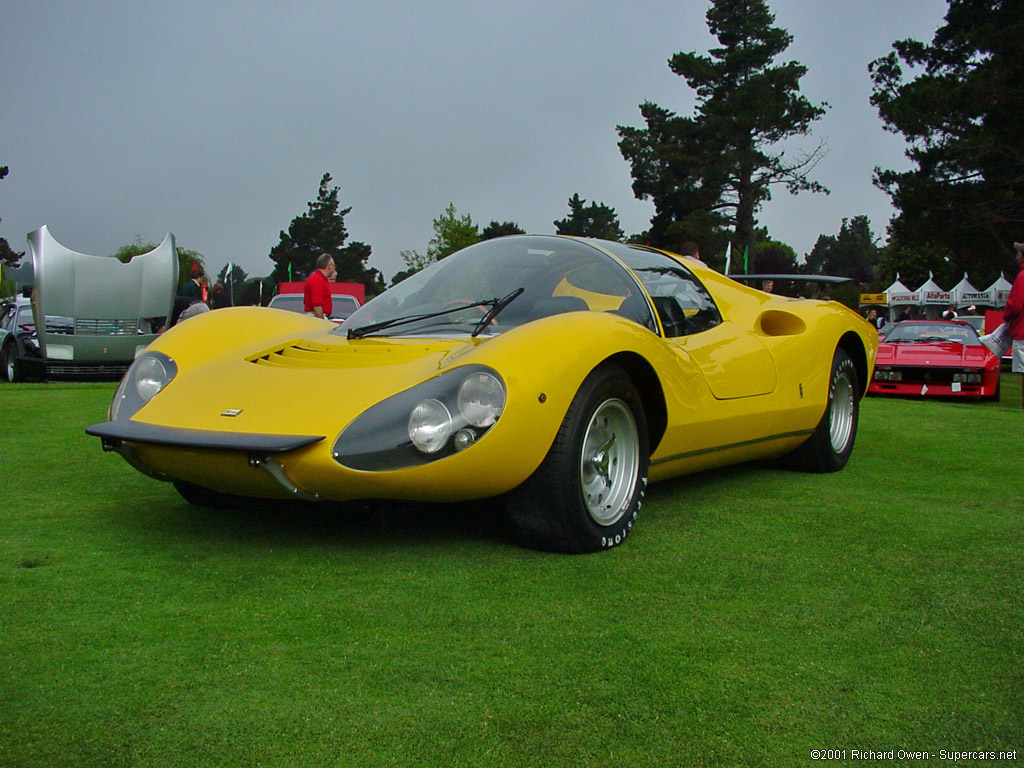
{"x": 935, "y": 357}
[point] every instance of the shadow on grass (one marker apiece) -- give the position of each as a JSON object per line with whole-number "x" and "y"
{"x": 355, "y": 524}
{"x": 379, "y": 525}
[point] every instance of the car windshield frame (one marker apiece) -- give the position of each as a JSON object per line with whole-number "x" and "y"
{"x": 557, "y": 274}
{"x": 932, "y": 332}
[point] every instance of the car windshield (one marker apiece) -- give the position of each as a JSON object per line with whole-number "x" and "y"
{"x": 452, "y": 297}
{"x": 343, "y": 305}
{"x": 291, "y": 302}
{"x": 977, "y": 322}
{"x": 909, "y": 331}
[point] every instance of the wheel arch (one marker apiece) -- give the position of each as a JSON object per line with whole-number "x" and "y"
{"x": 648, "y": 386}
{"x": 853, "y": 346}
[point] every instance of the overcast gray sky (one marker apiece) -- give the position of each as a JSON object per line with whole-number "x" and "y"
{"x": 216, "y": 120}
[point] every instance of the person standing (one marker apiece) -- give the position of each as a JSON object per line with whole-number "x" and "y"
{"x": 690, "y": 249}
{"x": 1013, "y": 316}
{"x": 219, "y": 297}
{"x": 192, "y": 291}
{"x": 317, "y": 290}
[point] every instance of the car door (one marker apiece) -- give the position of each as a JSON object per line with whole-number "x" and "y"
{"x": 735, "y": 363}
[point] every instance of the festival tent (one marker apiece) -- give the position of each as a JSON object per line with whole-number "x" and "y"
{"x": 965, "y": 294}
{"x": 901, "y": 296}
{"x": 932, "y": 295}
{"x": 1000, "y": 291}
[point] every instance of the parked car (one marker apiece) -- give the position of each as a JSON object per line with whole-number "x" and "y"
{"x": 343, "y": 305}
{"x": 19, "y": 340}
{"x": 558, "y": 375}
{"x": 16, "y": 325}
{"x": 935, "y": 358}
{"x": 100, "y": 313}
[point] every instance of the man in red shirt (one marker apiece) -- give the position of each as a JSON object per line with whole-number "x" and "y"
{"x": 1013, "y": 315}
{"x": 317, "y": 291}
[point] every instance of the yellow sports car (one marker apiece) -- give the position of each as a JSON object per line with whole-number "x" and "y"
{"x": 559, "y": 374}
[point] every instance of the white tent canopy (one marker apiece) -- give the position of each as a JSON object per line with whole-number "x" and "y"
{"x": 931, "y": 293}
{"x": 965, "y": 294}
{"x": 1000, "y": 291}
{"x": 898, "y": 295}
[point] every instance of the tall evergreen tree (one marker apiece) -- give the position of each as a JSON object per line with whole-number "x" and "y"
{"x": 774, "y": 258}
{"x": 500, "y": 229}
{"x": 852, "y": 253}
{"x": 718, "y": 168}
{"x": 594, "y": 220}
{"x": 8, "y": 256}
{"x": 321, "y": 229}
{"x": 957, "y": 102}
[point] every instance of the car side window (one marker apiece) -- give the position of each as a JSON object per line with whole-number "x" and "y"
{"x": 684, "y": 305}
{"x": 24, "y": 318}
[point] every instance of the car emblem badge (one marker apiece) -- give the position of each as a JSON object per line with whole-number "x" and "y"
{"x": 232, "y": 412}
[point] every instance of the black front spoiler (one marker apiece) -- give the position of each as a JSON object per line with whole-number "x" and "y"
{"x": 150, "y": 434}
{"x": 122, "y": 437}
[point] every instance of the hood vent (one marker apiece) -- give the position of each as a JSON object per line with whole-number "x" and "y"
{"x": 310, "y": 355}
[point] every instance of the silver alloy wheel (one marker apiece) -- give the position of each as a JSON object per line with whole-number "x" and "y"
{"x": 842, "y": 412}
{"x": 609, "y": 462}
{"x": 8, "y": 356}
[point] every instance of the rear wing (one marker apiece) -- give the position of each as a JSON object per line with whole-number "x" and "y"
{"x": 845, "y": 290}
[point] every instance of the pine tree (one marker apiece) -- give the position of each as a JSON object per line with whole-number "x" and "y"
{"x": 321, "y": 229}
{"x": 957, "y": 103}
{"x": 718, "y": 167}
{"x": 594, "y": 220}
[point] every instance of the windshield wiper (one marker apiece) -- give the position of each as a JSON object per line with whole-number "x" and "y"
{"x": 365, "y": 330}
{"x": 496, "y": 307}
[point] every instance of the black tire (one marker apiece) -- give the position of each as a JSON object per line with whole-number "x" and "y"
{"x": 829, "y": 448}
{"x": 586, "y": 494}
{"x": 9, "y": 366}
{"x": 203, "y": 497}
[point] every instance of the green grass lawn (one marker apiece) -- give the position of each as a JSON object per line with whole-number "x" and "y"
{"x": 753, "y": 616}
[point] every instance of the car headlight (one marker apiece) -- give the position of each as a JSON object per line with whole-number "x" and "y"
{"x": 481, "y": 399}
{"x": 147, "y": 376}
{"x": 442, "y": 416}
{"x": 430, "y": 426}
{"x": 967, "y": 377}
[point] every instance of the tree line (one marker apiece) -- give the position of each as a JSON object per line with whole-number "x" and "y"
{"x": 708, "y": 174}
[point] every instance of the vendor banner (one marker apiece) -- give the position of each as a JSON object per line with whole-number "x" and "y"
{"x": 872, "y": 298}
{"x": 904, "y": 299}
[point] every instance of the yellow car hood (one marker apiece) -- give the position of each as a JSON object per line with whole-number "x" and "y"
{"x": 305, "y": 385}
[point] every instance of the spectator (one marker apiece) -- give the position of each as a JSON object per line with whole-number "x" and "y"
{"x": 192, "y": 291}
{"x": 220, "y": 298}
{"x": 317, "y": 291}
{"x": 690, "y": 249}
{"x": 1013, "y": 316}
